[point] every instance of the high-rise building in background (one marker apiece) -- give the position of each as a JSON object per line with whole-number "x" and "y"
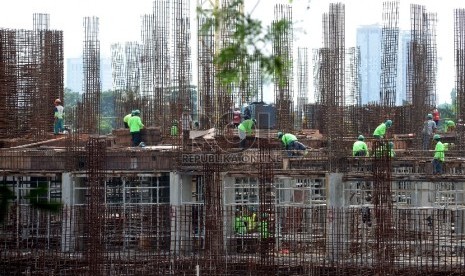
{"x": 74, "y": 74}
{"x": 369, "y": 42}
{"x": 404, "y": 40}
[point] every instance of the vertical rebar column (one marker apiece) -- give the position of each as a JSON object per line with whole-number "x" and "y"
{"x": 206, "y": 73}
{"x": 49, "y": 85}
{"x": 91, "y": 81}
{"x": 302, "y": 81}
{"x": 459, "y": 57}
{"x": 332, "y": 80}
{"x": 95, "y": 207}
{"x": 421, "y": 68}
{"x": 282, "y": 49}
{"x": 147, "y": 60}
{"x": 389, "y": 46}
{"x": 267, "y": 209}
{"x": 162, "y": 62}
{"x": 352, "y": 91}
{"x": 214, "y": 243}
{"x": 181, "y": 99}
{"x": 382, "y": 201}
{"x": 118, "y": 81}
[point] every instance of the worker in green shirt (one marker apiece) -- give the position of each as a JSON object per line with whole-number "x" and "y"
{"x": 439, "y": 155}
{"x": 174, "y": 130}
{"x": 245, "y": 128}
{"x": 449, "y": 126}
{"x": 360, "y": 147}
{"x": 291, "y": 143}
{"x": 135, "y": 125}
{"x": 380, "y": 131}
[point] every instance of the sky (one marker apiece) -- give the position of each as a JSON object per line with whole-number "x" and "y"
{"x": 119, "y": 21}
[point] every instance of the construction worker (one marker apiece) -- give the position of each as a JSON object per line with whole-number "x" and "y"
{"x": 360, "y": 147}
{"x": 126, "y": 119}
{"x": 429, "y": 129}
{"x": 380, "y": 131}
{"x": 245, "y": 128}
{"x": 290, "y": 143}
{"x": 449, "y": 126}
{"x": 436, "y": 116}
{"x": 174, "y": 131}
{"x": 58, "y": 113}
{"x": 135, "y": 125}
{"x": 439, "y": 155}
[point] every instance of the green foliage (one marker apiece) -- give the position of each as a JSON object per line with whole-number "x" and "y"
{"x": 38, "y": 199}
{"x": 71, "y": 98}
{"x": 250, "y": 43}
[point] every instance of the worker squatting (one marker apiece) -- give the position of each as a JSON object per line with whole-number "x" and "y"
{"x": 227, "y": 158}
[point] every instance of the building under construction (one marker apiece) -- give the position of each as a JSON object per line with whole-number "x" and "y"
{"x": 202, "y": 206}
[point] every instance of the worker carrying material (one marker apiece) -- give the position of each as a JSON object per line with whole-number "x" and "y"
{"x": 439, "y": 156}
{"x": 291, "y": 144}
{"x": 380, "y": 131}
{"x": 58, "y": 114}
{"x": 449, "y": 126}
{"x": 126, "y": 119}
{"x": 135, "y": 125}
{"x": 360, "y": 147}
{"x": 429, "y": 129}
{"x": 243, "y": 129}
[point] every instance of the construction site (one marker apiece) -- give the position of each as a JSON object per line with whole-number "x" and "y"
{"x": 177, "y": 205}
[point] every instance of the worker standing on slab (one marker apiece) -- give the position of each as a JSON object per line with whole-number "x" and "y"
{"x": 291, "y": 143}
{"x": 439, "y": 156}
{"x": 380, "y": 131}
{"x": 126, "y": 119}
{"x": 360, "y": 147}
{"x": 135, "y": 125}
{"x": 243, "y": 129}
{"x": 58, "y": 115}
{"x": 429, "y": 129}
{"x": 174, "y": 131}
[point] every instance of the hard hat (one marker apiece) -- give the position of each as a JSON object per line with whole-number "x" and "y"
{"x": 361, "y": 138}
{"x": 57, "y": 101}
{"x": 136, "y": 112}
{"x": 175, "y": 122}
{"x": 436, "y": 137}
{"x": 388, "y": 123}
{"x": 280, "y": 134}
{"x": 429, "y": 116}
{"x": 254, "y": 121}
{"x": 132, "y": 112}
{"x": 391, "y": 145}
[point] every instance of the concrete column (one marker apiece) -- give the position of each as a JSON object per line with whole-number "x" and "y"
{"x": 180, "y": 191}
{"x": 423, "y": 193}
{"x": 337, "y": 230}
{"x": 67, "y": 225}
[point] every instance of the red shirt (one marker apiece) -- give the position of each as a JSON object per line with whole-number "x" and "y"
{"x": 436, "y": 115}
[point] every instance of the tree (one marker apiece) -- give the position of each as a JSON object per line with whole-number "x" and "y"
{"x": 250, "y": 43}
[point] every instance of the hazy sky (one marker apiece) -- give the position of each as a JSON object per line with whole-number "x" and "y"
{"x": 120, "y": 21}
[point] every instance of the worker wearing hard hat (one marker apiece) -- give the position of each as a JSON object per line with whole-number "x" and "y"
{"x": 135, "y": 125}
{"x": 380, "y": 131}
{"x": 429, "y": 129}
{"x": 439, "y": 156}
{"x": 58, "y": 113}
{"x": 449, "y": 126}
{"x": 360, "y": 147}
{"x": 245, "y": 128}
{"x": 291, "y": 144}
